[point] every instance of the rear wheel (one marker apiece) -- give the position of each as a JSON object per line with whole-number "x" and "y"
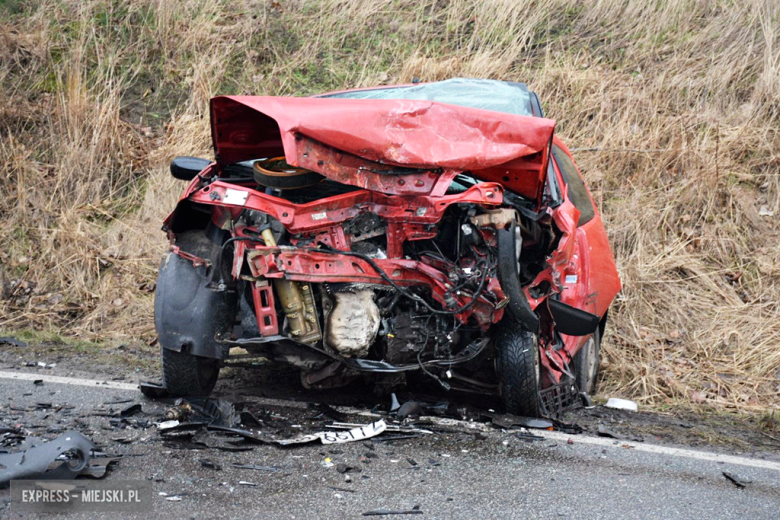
{"x": 519, "y": 370}
{"x": 586, "y": 364}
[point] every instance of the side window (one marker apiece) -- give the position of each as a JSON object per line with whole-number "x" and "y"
{"x": 578, "y": 193}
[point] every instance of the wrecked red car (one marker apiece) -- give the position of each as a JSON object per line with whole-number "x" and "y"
{"x": 437, "y": 231}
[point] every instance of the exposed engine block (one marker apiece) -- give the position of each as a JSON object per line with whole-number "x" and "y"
{"x": 352, "y": 323}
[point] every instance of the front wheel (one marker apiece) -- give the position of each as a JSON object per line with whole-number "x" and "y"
{"x": 186, "y": 375}
{"x": 519, "y": 370}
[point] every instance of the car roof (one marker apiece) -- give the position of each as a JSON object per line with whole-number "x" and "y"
{"x": 500, "y": 96}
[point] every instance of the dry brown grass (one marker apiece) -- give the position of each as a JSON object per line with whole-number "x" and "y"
{"x": 676, "y": 107}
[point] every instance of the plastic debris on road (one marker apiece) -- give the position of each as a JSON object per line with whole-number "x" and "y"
{"x": 355, "y": 434}
{"x": 621, "y": 404}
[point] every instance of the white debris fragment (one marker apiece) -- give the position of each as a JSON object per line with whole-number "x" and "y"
{"x": 764, "y": 211}
{"x": 355, "y": 434}
{"x": 621, "y": 404}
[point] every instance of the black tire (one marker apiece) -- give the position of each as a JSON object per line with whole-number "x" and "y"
{"x": 519, "y": 370}
{"x": 586, "y": 364}
{"x": 186, "y": 375}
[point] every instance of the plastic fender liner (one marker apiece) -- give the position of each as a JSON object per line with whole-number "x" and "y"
{"x": 572, "y": 321}
{"x": 509, "y": 278}
{"x": 189, "y": 314}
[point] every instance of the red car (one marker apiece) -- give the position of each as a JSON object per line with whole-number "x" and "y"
{"x": 433, "y": 230}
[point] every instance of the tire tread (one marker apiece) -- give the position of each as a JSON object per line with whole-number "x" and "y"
{"x": 516, "y": 351}
{"x": 183, "y": 374}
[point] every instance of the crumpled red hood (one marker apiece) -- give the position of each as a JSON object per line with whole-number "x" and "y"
{"x": 400, "y": 132}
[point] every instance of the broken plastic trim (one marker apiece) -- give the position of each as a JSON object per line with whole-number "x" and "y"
{"x": 34, "y": 462}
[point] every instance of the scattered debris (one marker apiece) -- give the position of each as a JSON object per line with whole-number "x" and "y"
{"x": 394, "y": 404}
{"x": 72, "y": 448}
{"x": 529, "y": 437}
{"x": 172, "y": 498}
{"x": 344, "y": 490}
{"x": 508, "y": 421}
{"x": 6, "y": 340}
{"x": 359, "y": 433}
{"x": 388, "y": 427}
{"x": 245, "y": 483}
{"x": 130, "y": 410}
{"x": 410, "y": 408}
{"x": 604, "y": 432}
{"x": 171, "y": 427}
{"x": 207, "y": 463}
{"x": 346, "y": 468}
{"x": 98, "y": 467}
{"x": 118, "y": 401}
{"x": 621, "y": 404}
{"x": 38, "y": 382}
{"x": 153, "y": 390}
{"x": 736, "y": 479}
{"x": 327, "y": 411}
{"x": 272, "y": 469}
{"x": 380, "y": 512}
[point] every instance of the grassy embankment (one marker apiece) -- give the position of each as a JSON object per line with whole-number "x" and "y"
{"x": 675, "y": 107}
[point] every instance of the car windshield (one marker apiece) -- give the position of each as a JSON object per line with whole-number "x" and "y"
{"x": 487, "y": 94}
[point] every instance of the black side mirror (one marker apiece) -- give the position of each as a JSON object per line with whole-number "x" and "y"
{"x": 186, "y": 168}
{"x": 572, "y": 321}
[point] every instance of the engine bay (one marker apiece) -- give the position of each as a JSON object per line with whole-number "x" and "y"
{"x": 366, "y": 281}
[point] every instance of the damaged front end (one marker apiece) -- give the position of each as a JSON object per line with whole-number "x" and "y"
{"x": 346, "y": 238}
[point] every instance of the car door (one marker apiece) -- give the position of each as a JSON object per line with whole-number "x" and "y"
{"x": 591, "y": 281}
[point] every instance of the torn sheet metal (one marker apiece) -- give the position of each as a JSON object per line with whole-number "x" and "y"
{"x": 33, "y": 463}
{"x": 355, "y": 434}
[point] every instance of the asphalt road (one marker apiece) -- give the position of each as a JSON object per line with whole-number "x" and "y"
{"x": 474, "y": 471}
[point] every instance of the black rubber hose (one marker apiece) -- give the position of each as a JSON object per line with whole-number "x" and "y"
{"x": 509, "y": 278}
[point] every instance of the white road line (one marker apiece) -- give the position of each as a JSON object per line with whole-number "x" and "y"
{"x": 557, "y": 436}
{"x": 26, "y": 376}
{"x": 663, "y": 450}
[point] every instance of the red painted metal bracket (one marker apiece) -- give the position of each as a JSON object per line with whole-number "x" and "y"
{"x": 265, "y": 308}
